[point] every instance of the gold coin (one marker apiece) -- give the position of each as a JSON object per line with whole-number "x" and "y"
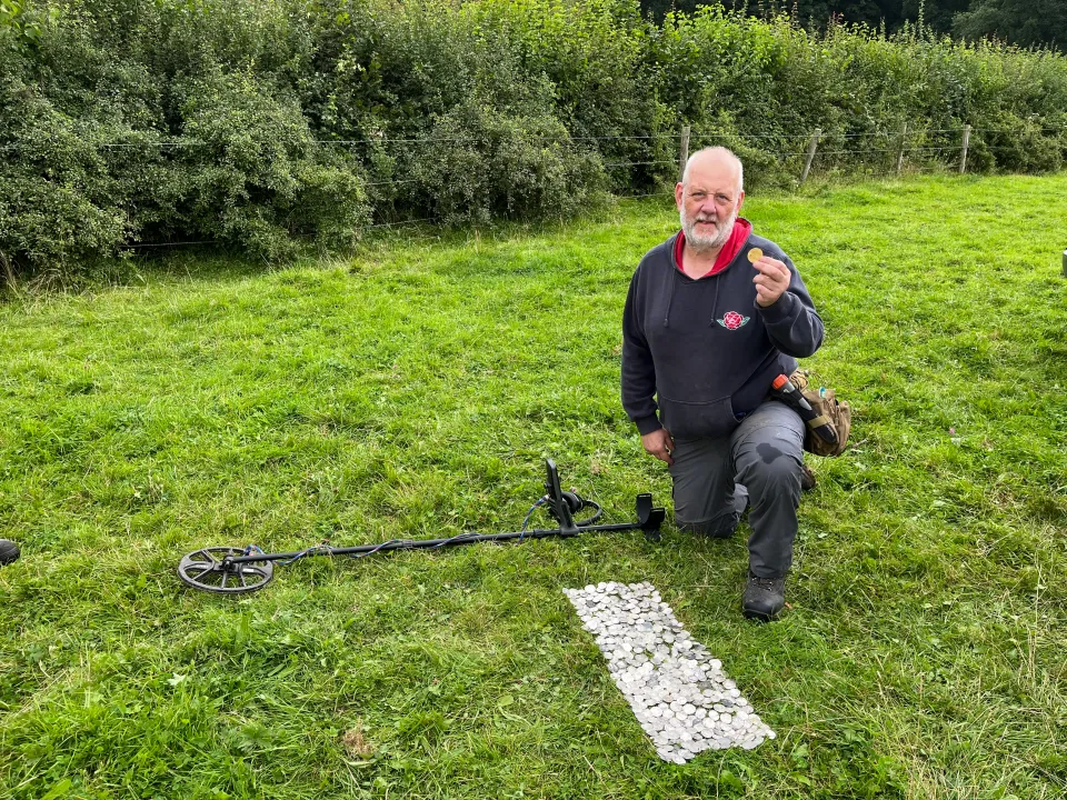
{"x": 755, "y": 254}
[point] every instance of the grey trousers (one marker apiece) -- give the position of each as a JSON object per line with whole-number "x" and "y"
{"x": 759, "y": 462}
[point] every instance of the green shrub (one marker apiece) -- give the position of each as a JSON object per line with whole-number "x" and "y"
{"x": 250, "y": 174}
{"x": 55, "y": 190}
{"x": 480, "y": 163}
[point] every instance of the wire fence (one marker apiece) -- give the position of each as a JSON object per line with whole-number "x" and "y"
{"x": 912, "y": 148}
{"x": 696, "y": 132}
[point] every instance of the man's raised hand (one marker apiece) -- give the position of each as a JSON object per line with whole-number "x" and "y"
{"x": 772, "y": 279}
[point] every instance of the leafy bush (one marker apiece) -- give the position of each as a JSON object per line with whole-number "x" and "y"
{"x": 480, "y": 164}
{"x": 55, "y": 189}
{"x": 250, "y": 174}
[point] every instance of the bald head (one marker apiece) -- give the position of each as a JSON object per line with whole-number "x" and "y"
{"x": 718, "y": 159}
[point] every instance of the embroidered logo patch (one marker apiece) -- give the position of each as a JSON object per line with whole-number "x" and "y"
{"x": 731, "y": 320}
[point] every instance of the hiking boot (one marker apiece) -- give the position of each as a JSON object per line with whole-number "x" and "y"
{"x": 764, "y": 597}
{"x": 807, "y": 478}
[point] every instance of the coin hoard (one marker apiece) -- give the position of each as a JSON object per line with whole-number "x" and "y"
{"x": 678, "y": 692}
{"x": 755, "y": 254}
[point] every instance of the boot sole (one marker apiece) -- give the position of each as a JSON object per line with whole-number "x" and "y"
{"x": 759, "y": 616}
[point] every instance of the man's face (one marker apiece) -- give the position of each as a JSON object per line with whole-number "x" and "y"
{"x": 709, "y": 203}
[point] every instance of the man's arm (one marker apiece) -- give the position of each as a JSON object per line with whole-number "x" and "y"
{"x": 782, "y": 299}
{"x": 638, "y": 371}
{"x": 639, "y": 382}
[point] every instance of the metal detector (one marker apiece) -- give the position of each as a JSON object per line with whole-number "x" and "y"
{"x": 235, "y": 570}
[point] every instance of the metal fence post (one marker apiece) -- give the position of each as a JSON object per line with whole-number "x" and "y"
{"x": 811, "y": 153}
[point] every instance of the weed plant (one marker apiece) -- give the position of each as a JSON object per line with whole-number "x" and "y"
{"x": 413, "y": 392}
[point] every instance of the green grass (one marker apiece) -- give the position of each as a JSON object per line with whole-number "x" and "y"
{"x": 414, "y": 392}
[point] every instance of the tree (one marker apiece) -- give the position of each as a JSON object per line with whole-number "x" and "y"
{"x": 1021, "y": 22}
{"x": 818, "y": 13}
{"x": 937, "y": 15}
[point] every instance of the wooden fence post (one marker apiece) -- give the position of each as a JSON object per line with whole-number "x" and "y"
{"x": 811, "y": 153}
{"x": 966, "y": 141}
{"x": 903, "y": 138}
{"x": 683, "y": 152}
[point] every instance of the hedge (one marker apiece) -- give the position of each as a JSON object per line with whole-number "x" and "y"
{"x": 271, "y": 125}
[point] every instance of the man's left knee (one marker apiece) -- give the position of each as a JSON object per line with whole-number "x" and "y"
{"x": 772, "y": 469}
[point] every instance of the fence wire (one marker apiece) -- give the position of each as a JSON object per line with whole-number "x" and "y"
{"x": 886, "y": 146}
{"x": 694, "y": 132}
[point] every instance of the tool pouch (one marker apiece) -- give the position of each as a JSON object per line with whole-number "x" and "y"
{"x": 830, "y": 411}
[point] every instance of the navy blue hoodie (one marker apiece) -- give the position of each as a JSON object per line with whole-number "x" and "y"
{"x": 702, "y": 347}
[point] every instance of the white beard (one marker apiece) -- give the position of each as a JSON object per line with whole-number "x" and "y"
{"x": 704, "y": 242}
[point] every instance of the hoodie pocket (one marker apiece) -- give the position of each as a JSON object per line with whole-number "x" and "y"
{"x": 709, "y": 419}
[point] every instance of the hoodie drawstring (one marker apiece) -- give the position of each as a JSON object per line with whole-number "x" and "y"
{"x": 671, "y": 278}
{"x": 715, "y": 302}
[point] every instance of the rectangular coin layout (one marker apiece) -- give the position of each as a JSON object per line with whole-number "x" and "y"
{"x": 678, "y": 691}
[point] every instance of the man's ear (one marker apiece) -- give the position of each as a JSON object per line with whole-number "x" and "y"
{"x": 740, "y": 201}
{"x": 679, "y": 190}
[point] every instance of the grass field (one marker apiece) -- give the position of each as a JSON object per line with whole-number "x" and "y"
{"x": 414, "y": 392}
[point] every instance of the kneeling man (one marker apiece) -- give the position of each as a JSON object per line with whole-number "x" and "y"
{"x": 713, "y": 315}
